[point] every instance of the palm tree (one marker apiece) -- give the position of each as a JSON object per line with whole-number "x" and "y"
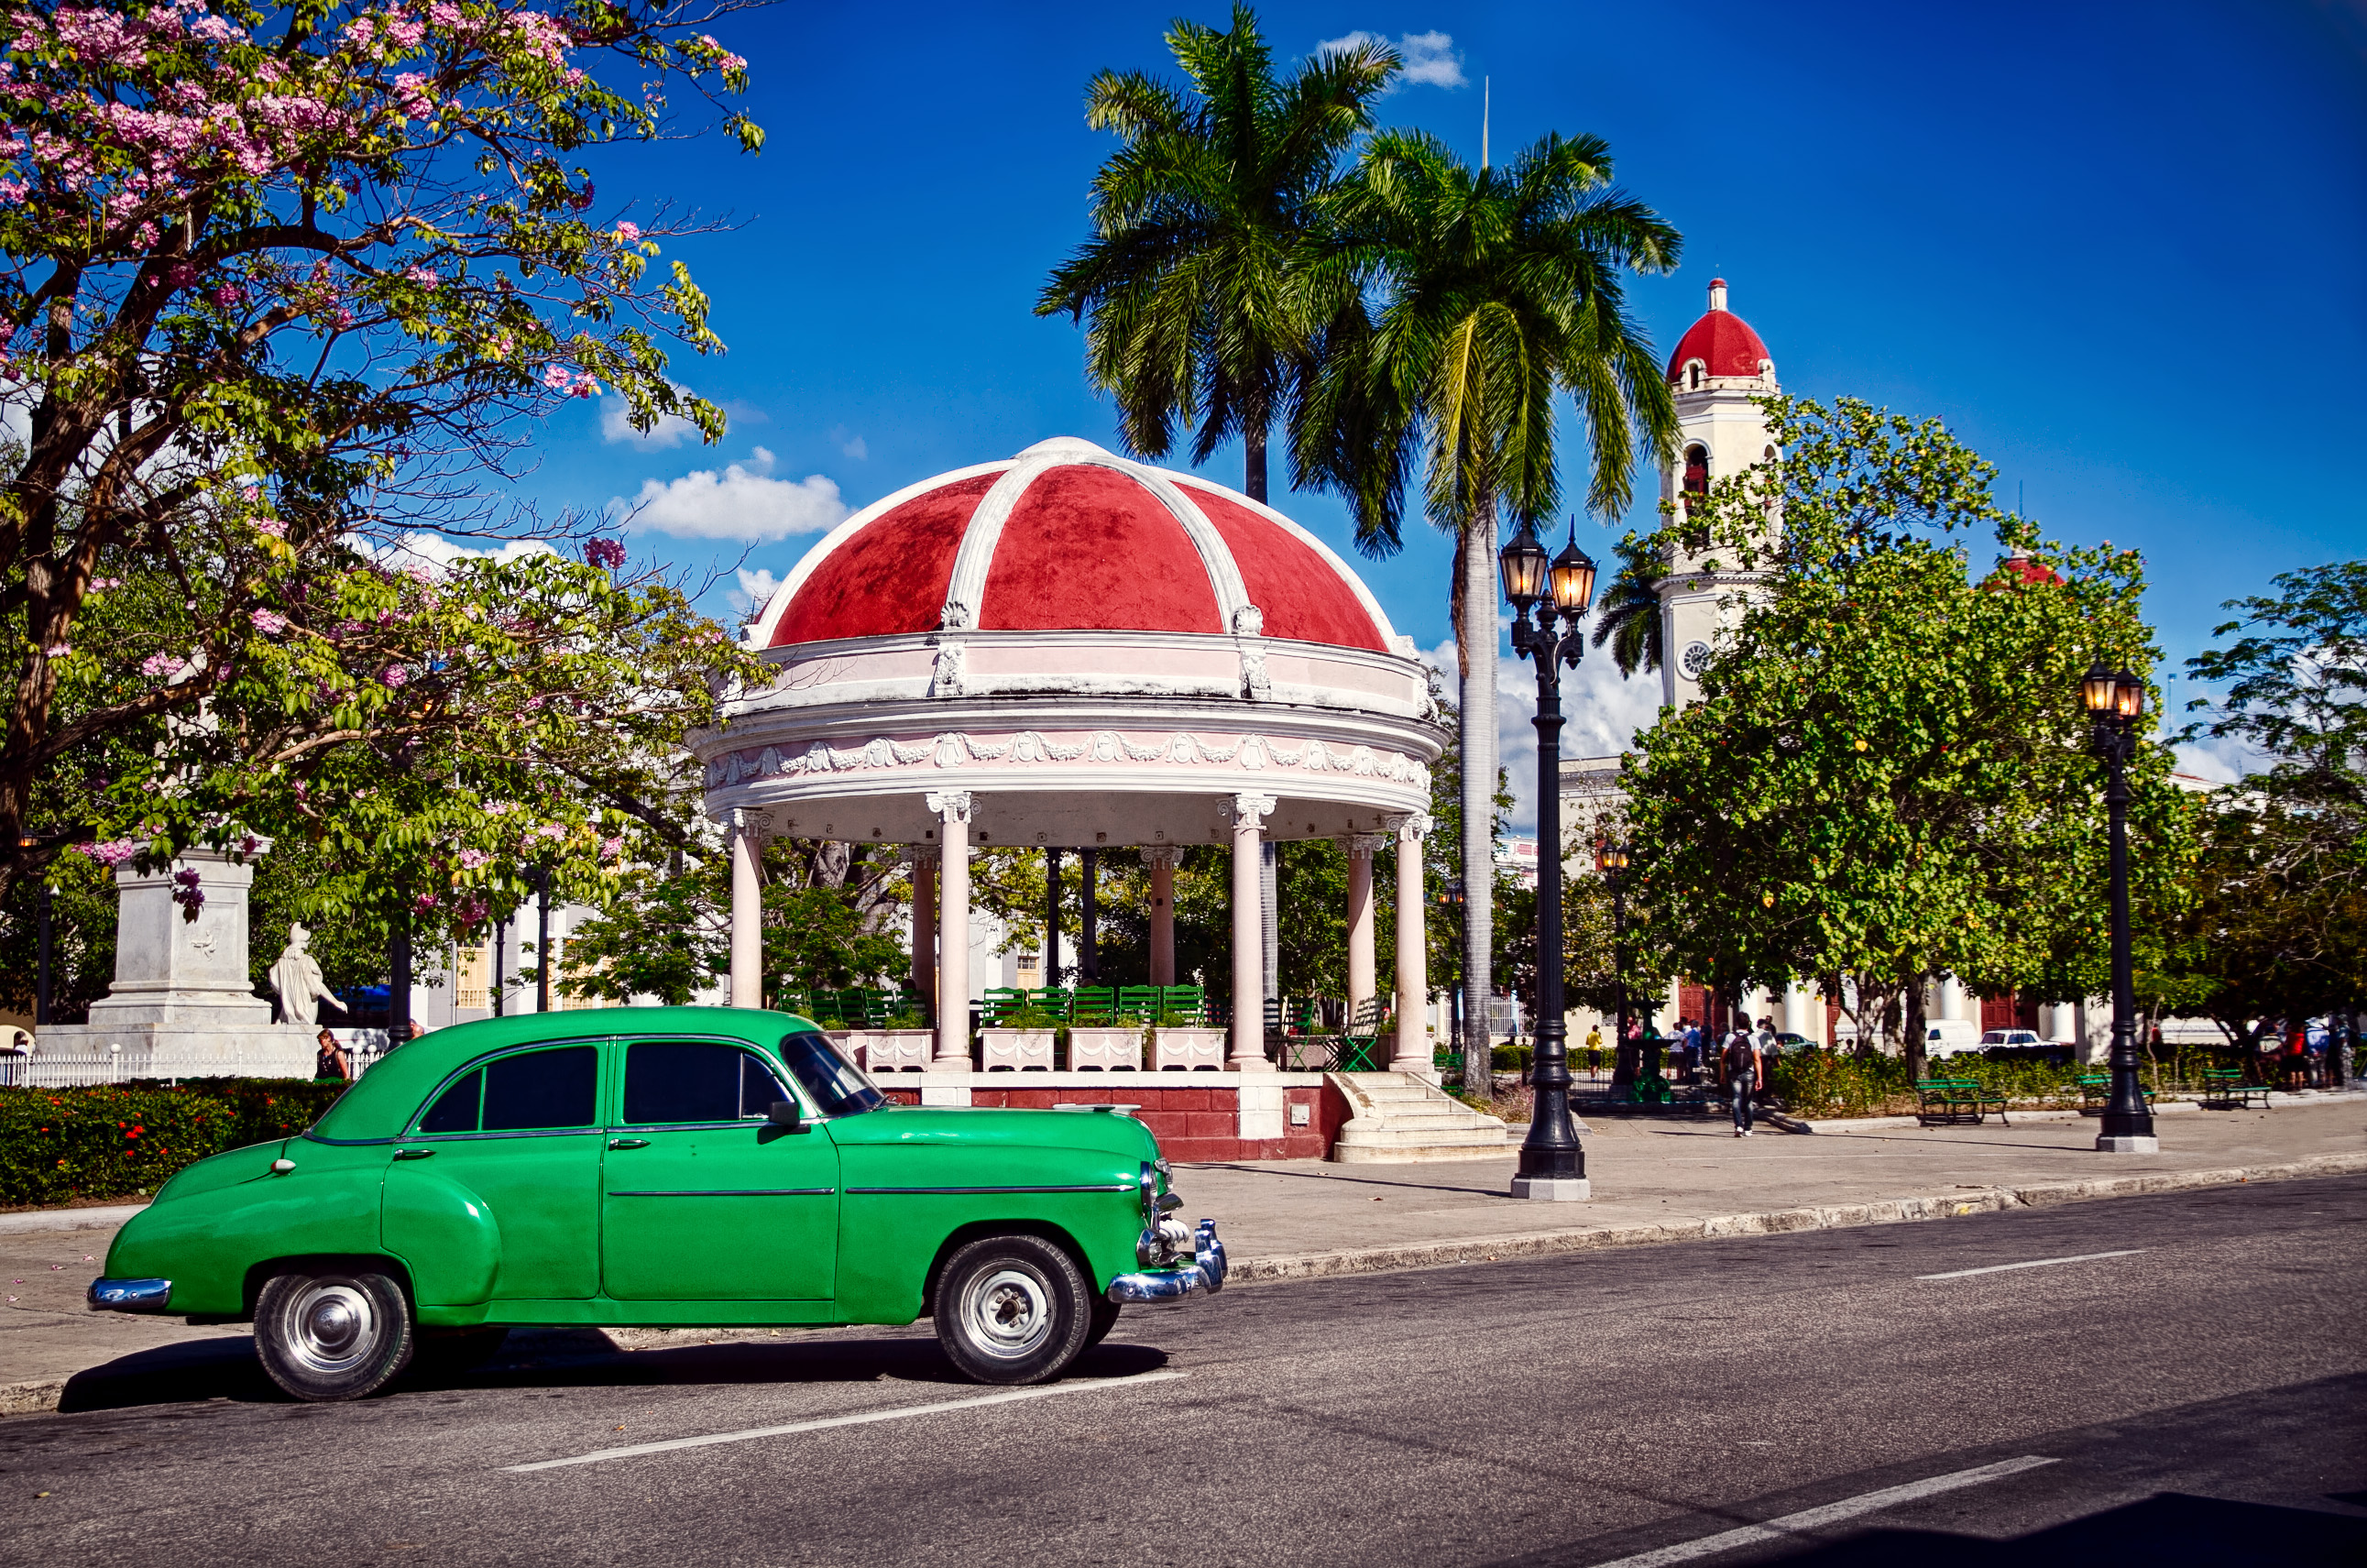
{"x": 1629, "y": 618}
{"x": 1454, "y": 307}
{"x": 1199, "y": 222}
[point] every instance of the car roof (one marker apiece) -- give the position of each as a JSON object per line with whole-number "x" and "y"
{"x": 381, "y": 1105}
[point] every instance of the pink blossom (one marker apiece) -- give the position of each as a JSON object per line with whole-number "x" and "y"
{"x": 272, "y": 525}
{"x": 425, "y": 903}
{"x": 112, "y": 853}
{"x": 557, "y": 377}
{"x": 162, "y": 665}
{"x": 270, "y": 622}
{"x": 230, "y": 296}
{"x": 606, "y": 553}
{"x": 423, "y": 275}
{"x": 58, "y": 650}
{"x": 627, "y": 231}
{"x": 611, "y": 848}
{"x": 394, "y": 678}
{"x": 550, "y": 830}
{"x": 100, "y": 585}
{"x": 472, "y": 858}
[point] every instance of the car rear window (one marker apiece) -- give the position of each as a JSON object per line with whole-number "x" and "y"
{"x": 533, "y": 1091}
{"x": 695, "y": 1080}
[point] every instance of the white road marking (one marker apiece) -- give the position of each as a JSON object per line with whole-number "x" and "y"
{"x": 895, "y": 1414}
{"x": 2039, "y": 1262}
{"x": 1830, "y": 1514}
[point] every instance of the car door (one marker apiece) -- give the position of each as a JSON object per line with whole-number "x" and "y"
{"x": 519, "y": 1134}
{"x": 705, "y": 1200}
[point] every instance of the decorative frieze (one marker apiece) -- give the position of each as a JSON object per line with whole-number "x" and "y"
{"x": 1031, "y": 747}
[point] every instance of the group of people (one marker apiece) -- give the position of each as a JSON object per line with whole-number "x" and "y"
{"x": 1741, "y": 1060}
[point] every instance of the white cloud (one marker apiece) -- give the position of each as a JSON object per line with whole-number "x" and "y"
{"x": 743, "y": 502}
{"x": 671, "y": 430}
{"x": 754, "y": 592}
{"x": 1602, "y": 710}
{"x": 1429, "y": 58}
{"x": 434, "y": 550}
{"x": 852, "y": 446}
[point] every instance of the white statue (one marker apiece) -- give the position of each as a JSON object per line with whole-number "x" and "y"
{"x": 295, "y": 975}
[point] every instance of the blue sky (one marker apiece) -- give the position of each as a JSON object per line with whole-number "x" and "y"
{"x": 2118, "y": 248}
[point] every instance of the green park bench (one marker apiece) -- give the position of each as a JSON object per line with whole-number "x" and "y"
{"x": 2096, "y": 1088}
{"x": 1941, "y": 1102}
{"x": 2224, "y": 1088}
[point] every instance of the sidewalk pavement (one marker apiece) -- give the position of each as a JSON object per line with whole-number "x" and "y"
{"x": 1654, "y": 1180}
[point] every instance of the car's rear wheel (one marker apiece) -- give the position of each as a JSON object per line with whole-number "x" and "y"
{"x": 1012, "y": 1310}
{"x": 334, "y": 1332}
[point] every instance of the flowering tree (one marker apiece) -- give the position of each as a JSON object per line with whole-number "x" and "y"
{"x": 276, "y": 284}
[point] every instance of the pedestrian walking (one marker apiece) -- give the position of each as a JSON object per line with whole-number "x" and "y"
{"x": 330, "y": 1059}
{"x": 1741, "y": 1065}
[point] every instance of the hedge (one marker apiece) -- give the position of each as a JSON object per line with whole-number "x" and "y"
{"x": 121, "y": 1140}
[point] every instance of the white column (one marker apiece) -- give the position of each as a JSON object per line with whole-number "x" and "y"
{"x": 1249, "y": 936}
{"x": 749, "y": 831}
{"x": 1163, "y": 859}
{"x": 1952, "y": 999}
{"x": 1360, "y": 963}
{"x": 1413, "y": 1052}
{"x": 951, "y": 808}
{"x": 924, "y": 921}
{"x": 2062, "y": 1022}
{"x": 1799, "y": 1006}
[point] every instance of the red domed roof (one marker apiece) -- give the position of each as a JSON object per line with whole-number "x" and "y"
{"x": 1721, "y": 340}
{"x": 1068, "y": 538}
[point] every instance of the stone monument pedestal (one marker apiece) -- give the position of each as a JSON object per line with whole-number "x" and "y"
{"x": 181, "y": 1006}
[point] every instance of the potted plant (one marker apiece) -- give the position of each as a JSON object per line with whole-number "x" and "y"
{"x": 1113, "y": 1045}
{"x": 1183, "y": 1044}
{"x": 1025, "y": 1038}
{"x": 902, "y": 1045}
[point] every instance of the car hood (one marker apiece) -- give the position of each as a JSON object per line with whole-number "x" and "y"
{"x": 1096, "y": 1132}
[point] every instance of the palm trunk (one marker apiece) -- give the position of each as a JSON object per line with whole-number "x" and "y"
{"x": 1253, "y": 462}
{"x": 1915, "y": 1028}
{"x": 1475, "y": 636}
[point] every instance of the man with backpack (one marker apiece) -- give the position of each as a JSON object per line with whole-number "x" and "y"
{"x": 1740, "y": 1062}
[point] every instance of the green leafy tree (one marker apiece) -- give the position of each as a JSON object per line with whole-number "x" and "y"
{"x": 282, "y": 281}
{"x": 1888, "y": 776}
{"x": 1455, "y": 308}
{"x": 1199, "y": 222}
{"x": 1628, "y": 612}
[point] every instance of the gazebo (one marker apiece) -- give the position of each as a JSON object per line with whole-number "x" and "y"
{"x": 1070, "y": 648}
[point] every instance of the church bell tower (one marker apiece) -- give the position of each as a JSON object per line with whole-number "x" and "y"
{"x": 1720, "y": 367}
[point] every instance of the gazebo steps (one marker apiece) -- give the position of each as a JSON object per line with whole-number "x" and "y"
{"x": 1394, "y": 1117}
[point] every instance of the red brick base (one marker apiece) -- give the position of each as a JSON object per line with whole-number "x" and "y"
{"x": 1198, "y": 1122}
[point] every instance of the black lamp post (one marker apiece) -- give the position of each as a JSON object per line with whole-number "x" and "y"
{"x": 2115, "y": 699}
{"x": 1553, "y": 1165}
{"x": 1451, "y": 902}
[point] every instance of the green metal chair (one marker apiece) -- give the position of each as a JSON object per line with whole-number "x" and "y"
{"x": 1359, "y": 1049}
{"x": 1093, "y": 1005}
{"x": 1001, "y": 1002}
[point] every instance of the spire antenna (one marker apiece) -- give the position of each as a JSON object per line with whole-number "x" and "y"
{"x": 1484, "y": 94}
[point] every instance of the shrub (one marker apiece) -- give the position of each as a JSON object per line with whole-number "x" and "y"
{"x": 115, "y": 1140}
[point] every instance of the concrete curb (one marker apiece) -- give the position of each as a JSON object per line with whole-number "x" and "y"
{"x": 31, "y": 1399}
{"x": 1894, "y": 1210}
{"x": 98, "y": 1219}
{"x": 1791, "y": 1123}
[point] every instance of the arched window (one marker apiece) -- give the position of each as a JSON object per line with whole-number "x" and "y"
{"x": 1696, "y": 474}
{"x": 1692, "y": 376}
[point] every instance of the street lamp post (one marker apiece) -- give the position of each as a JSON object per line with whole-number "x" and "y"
{"x": 2114, "y": 700}
{"x": 1553, "y": 1165}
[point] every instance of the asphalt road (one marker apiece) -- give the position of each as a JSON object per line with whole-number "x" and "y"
{"x": 2202, "y": 1399}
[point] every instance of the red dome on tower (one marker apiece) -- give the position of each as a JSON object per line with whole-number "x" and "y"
{"x": 1722, "y": 341}
{"x": 1066, "y": 536}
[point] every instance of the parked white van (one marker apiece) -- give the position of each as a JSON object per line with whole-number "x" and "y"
{"x": 1945, "y": 1037}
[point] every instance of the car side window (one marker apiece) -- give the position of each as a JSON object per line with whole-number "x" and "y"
{"x": 455, "y": 1110}
{"x": 538, "y": 1089}
{"x": 694, "y": 1081}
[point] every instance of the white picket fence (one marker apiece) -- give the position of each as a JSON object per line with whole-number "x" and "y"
{"x": 50, "y": 1068}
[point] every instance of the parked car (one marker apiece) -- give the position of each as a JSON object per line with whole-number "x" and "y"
{"x": 658, "y": 1166}
{"x": 2011, "y": 1037}
{"x": 1945, "y": 1037}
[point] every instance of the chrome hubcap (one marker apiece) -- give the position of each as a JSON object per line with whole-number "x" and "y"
{"x": 1008, "y": 1311}
{"x": 332, "y": 1328}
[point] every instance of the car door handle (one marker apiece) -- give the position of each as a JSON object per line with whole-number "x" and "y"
{"x": 628, "y": 1142}
{"x": 413, "y": 1153}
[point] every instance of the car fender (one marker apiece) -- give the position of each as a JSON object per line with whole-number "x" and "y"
{"x": 207, "y": 1243}
{"x": 446, "y": 1236}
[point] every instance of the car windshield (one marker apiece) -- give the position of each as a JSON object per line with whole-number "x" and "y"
{"x": 837, "y": 1086}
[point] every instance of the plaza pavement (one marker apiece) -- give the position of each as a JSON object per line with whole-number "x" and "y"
{"x": 1654, "y": 1181}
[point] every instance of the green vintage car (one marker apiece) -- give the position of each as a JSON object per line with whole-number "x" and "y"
{"x": 658, "y": 1167}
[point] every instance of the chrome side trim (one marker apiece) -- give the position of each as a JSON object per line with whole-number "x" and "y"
{"x": 129, "y": 1295}
{"x": 959, "y": 1191}
{"x": 738, "y": 1192}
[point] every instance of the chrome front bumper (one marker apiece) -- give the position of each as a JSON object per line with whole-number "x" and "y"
{"x": 129, "y": 1295}
{"x": 1205, "y": 1272}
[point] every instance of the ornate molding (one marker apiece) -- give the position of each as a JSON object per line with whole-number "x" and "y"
{"x": 1162, "y": 855}
{"x": 950, "y": 806}
{"x": 945, "y": 676}
{"x": 1364, "y": 844}
{"x": 1410, "y": 827}
{"x": 753, "y": 822}
{"x": 1251, "y": 810}
{"x": 955, "y": 748}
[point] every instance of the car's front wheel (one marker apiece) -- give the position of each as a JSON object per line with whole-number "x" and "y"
{"x": 1012, "y": 1310}
{"x": 334, "y": 1334}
